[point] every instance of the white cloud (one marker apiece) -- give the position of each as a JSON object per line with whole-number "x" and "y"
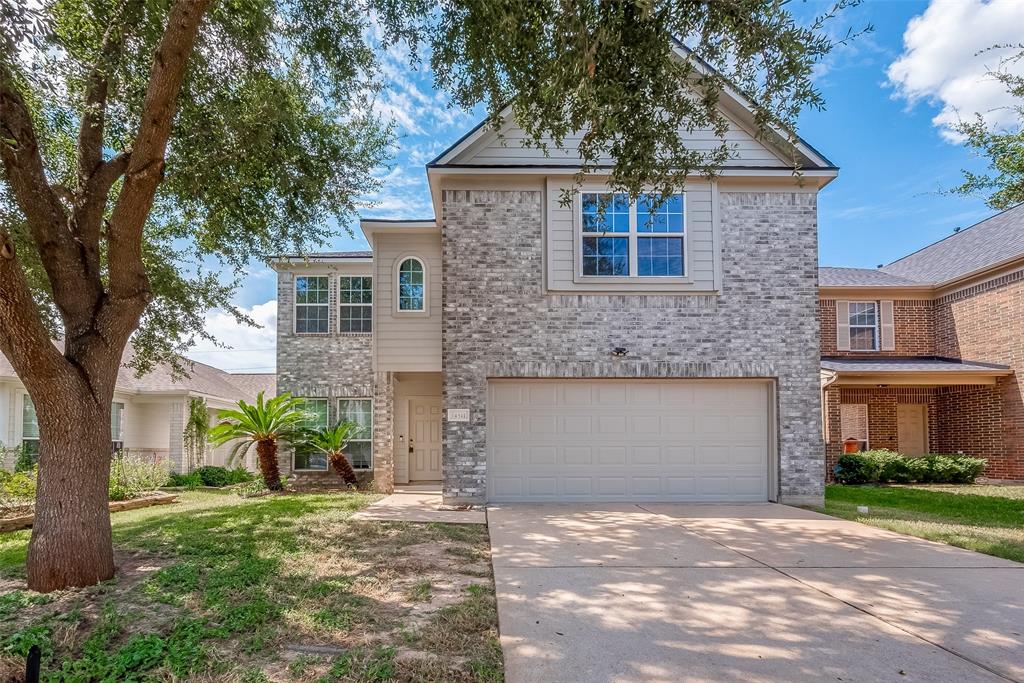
{"x": 252, "y": 349}
{"x": 941, "y": 65}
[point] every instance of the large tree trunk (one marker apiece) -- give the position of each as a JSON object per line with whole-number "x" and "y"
{"x": 71, "y": 543}
{"x": 266, "y": 453}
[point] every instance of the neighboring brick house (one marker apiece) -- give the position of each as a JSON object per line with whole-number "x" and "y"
{"x": 924, "y": 354}
{"x": 519, "y": 349}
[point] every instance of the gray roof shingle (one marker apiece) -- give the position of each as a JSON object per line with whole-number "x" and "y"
{"x": 202, "y": 379}
{"x": 327, "y": 254}
{"x": 922, "y": 364}
{"x": 984, "y": 244}
{"x": 860, "y": 277}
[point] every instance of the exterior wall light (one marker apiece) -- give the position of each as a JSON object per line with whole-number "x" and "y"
{"x": 619, "y": 351}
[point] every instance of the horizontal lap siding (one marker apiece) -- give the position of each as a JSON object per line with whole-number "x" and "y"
{"x": 513, "y": 148}
{"x": 562, "y": 251}
{"x": 407, "y": 343}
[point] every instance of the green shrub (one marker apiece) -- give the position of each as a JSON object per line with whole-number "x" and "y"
{"x": 18, "y": 488}
{"x": 26, "y": 461}
{"x": 131, "y": 475}
{"x": 884, "y": 466}
{"x": 189, "y": 481}
{"x": 213, "y": 476}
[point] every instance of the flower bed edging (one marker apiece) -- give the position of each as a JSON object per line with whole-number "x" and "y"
{"x": 25, "y": 521}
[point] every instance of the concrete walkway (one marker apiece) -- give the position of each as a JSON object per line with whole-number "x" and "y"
{"x": 418, "y": 503}
{"x": 752, "y": 593}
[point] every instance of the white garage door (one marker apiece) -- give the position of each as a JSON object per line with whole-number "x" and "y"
{"x": 613, "y": 440}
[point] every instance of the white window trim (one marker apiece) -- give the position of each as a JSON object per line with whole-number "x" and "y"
{"x": 25, "y": 399}
{"x": 633, "y": 236}
{"x": 296, "y": 304}
{"x": 370, "y": 439}
{"x": 313, "y": 469}
{"x": 419, "y": 313}
{"x": 369, "y": 305}
{"x": 877, "y": 327}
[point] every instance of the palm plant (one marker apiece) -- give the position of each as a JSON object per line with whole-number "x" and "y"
{"x": 331, "y": 441}
{"x": 264, "y": 423}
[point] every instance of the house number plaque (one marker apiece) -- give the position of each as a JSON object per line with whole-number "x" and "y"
{"x": 458, "y": 414}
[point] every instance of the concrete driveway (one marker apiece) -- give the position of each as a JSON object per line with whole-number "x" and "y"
{"x": 747, "y": 592}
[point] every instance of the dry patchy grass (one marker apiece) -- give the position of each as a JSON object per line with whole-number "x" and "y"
{"x": 284, "y": 588}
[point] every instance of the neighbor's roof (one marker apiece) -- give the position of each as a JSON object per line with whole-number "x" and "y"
{"x": 325, "y": 254}
{"x": 861, "y": 277}
{"x": 922, "y": 364}
{"x": 993, "y": 241}
{"x": 202, "y": 379}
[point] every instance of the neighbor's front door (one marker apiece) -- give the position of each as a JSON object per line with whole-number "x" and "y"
{"x": 425, "y": 439}
{"x": 912, "y": 428}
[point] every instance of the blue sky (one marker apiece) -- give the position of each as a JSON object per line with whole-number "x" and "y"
{"x": 890, "y": 96}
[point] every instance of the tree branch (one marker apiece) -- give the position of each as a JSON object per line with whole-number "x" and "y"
{"x": 47, "y": 219}
{"x": 94, "y": 110}
{"x": 23, "y": 338}
{"x": 129, "y": 286}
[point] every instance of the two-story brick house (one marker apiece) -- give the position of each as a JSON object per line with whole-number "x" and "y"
{"x": 924, "y": 354}
{"x": 516, "y": 348}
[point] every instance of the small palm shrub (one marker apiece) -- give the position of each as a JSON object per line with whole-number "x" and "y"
{"x": 264, "y": 423}
{"x": 885, "y": 466}
{"x": 332, "y": 441}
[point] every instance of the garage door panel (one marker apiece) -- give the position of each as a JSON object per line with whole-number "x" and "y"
{"x": 623, "y": 440}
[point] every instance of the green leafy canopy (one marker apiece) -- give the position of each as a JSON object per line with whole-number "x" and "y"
{"x": 275, "y": 137}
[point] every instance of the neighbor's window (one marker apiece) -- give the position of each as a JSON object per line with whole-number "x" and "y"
{"x": 355, "y": 295}
{"x": 360, "y": 448}
{"x": 853, "y": 423}
{"x": 411, "y": 292}
{"x": 311, "y": 305}
{"x": 116, "y": 427}
{"x": 646, "y": 239}
{"x": 30, "y": 429}
{"x": 306, "y": 458}
{"x": 863, "y": 326}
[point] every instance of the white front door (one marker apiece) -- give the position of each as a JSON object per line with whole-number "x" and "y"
{"x": 425, "y": 439}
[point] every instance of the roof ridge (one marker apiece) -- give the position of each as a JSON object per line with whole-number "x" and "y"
{"x": 956, "y": 233}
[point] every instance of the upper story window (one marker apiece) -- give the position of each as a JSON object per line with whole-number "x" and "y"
{"x": 312, "y": 314}
{"x": 411, "y": 285}
{"x": 355, "y": 297}
{"x": 863, "y": 326}
{"x": 641, "y": 239}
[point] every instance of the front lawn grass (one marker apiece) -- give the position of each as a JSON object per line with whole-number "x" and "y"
{"x": 987, "y": 519}
{"x": 280, "y": 588}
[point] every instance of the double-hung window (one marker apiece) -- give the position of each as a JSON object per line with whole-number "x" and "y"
{"x": 116, "y": 427}
{"x": 312, "y": 312}
{"x": 642, "y": 239}
{"x": 30, "y": 429}
{"x": 360, "y": 447}
{"x": 355, "y": 297}
{"x": 307, "y": 457}
{"x": 853, "y": 423}
{"x": 863, "y": 326}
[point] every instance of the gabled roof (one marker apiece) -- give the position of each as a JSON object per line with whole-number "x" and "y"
{"x": 202, "y": 379}
{"x": 811, "y": 159}
{"x": 861, "y": 277}
{"x": 993, "y": 241}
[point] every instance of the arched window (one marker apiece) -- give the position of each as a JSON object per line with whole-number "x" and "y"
{"x": 411, "y": 285}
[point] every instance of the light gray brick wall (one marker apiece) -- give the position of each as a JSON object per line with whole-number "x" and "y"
{"x": 498, "y": 321}
{"x": 331, "y": 366}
